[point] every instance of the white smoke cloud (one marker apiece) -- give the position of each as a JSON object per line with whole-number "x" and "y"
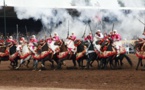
{"x": 133, "y": 3}
{"x": 125, "y": 20}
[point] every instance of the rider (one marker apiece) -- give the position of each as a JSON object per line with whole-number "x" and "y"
{"x": 89, "y": 37}
{"x": 98, "y": 35}
{"x": 33, "y": 39}
{"x": 116, "y": 38}
{"x": 70, "y": 40}
{"x": 56, "y": 37}
{"x": 72, "y": 37}
{"x": 49, "y": 39}
{"x": 10, "y": 39}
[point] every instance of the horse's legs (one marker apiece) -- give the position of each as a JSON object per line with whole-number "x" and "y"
{"x": 16, "y": 62}
{"x": 27, "y": 63}
{"x": 139, "y": 61}
{"x": 12, "y": 64}
{"x": 52, "y": 63}
{"x": 43, "y": 63}
{"x": 73, "y": 57}
{"x": 121, "y": 56}
{"x": 60, "y": 62}
{"x": 107, "y": 60}
{"x": 102, "y": 64}
{"x": 21, "y": 62}
{"x": 116, "y": 61}
{"x": 111, "y": 59}
{"x": 35, "y": 64}
{"x": 92, "y": 57}
{"x": 79, "y": 63}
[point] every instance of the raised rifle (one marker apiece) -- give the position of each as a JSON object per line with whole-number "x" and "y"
{"x": 112, "y": 27}
{"x": 84, "y": 31}
{"x": 26, "y": 32}
{"x": 90, "y": 28}
{"x": 44, "y": 32}
{"x": 68, "y": 30}
{"x": 141, "y": 21}
{"x": 17, "y": 28}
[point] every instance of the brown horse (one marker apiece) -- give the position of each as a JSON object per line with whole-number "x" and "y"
{"x": 111, "y": 53}
{"x": 4, "y": 53}
{"x": 42, "y": 54}
{"x": 140, "y": 52}
{"x": 63, "y": 53}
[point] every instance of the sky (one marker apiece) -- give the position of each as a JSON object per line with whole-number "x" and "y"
{"x": 102, "y": 13}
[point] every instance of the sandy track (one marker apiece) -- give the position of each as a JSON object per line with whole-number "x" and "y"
{"x": 126, "y": 78}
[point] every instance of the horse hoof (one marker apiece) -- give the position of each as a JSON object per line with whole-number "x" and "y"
{"x": 17, "y": 68}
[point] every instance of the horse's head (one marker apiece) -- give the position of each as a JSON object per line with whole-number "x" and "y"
{"x": 77, "y": 42}
{"x": 9, "y": 44}
{"x": 58, "y": 42}
{"x": 41, "y": 42}
{"x": 105, "y": 42}
{"x": 138, "y": 45}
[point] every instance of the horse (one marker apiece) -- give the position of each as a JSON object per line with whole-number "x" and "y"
{"x": 81, "y": 52}
{"x": 106, "y": 53}
{"x": 43, "y": 53}
{"x": 90, "y": 53}
{"x": 13, "y": 55}
{"x": 4, "y": 52}
{"x": 121, "y": 54}
{"x": 140, "y": 52}
{"x": 25, "y": 54}
{"x": 64, "y": 53}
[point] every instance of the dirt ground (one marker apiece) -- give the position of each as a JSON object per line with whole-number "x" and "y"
{"x": 126, "y": 78}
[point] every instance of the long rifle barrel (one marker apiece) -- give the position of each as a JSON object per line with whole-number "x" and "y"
{"x": 140, "y": 21}
{"x": 113, "y": 27}
{"x": 68, "y": 29}
{"x": 17, "y": 32}
{"x": 90, "y": 28}
{"x": 84, "y": 31}
{"x": 26, "y": 32}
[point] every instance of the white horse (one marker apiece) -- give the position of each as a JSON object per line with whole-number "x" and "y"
{"x": 25, "y": 54}
{"x": 70, "y": 45}
{"x": 119, "y": 46}
{"x": 53, "y": 46}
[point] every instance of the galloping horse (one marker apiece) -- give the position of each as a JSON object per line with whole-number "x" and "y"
{"x": 90, "y": 53}
{"x": 121, "y": 54}
{"x": 25, "y": 54}
{"x": 64, "y": 53}
{"x": 4, "y": 52}
{"x": 140, "y": 52}
{"x": 13, "y": 55}
{"x": 107, "y": 53}
{"x": 43, "y": 53}
{"x": 81, "y": 52}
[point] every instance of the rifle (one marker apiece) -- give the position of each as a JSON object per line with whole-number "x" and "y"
{"x": 68, "y": 30}
{"x": 17, "y": 32}
{"x": 44, "y": 32}
{"x": 90, "y": 29}
{"x": 140, "y": 21}
{"x": 26, "y": 32}
{"x": 112, "y": 27}
{"x": 84, "y": 32}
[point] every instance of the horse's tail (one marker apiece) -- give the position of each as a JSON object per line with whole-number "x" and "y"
{"x": 128, "y": 59}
